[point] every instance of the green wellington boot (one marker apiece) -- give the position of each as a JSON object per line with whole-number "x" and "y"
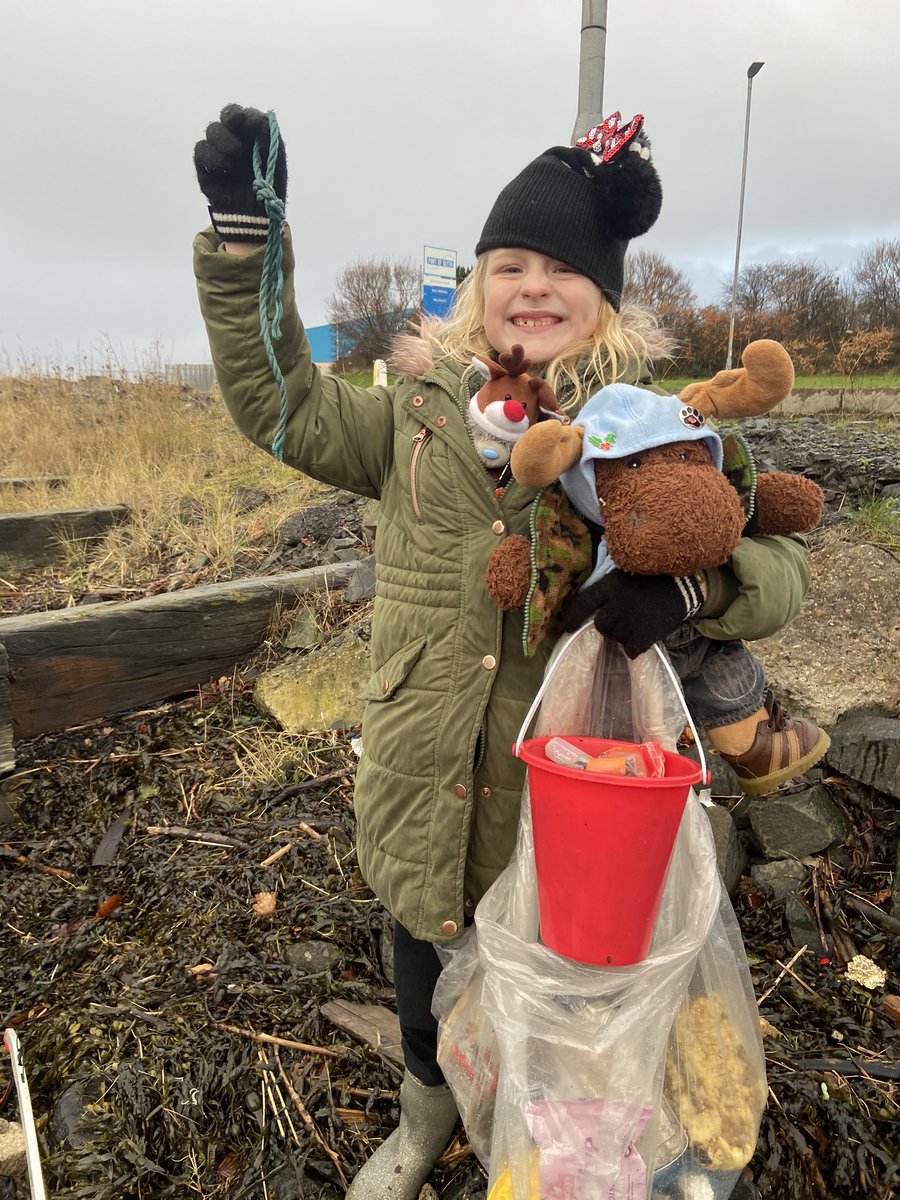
{"x": 403, "y": 1162}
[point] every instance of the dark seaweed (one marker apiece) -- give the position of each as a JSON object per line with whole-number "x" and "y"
{"x": 140, "y": 1092}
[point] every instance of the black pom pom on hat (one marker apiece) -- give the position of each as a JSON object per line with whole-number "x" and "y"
{"x": 582, "y": 204}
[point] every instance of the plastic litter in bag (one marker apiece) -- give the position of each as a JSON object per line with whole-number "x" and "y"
{"x": 565, "y": 1135}
{"x": 569, "y": 1136}
{"x": 643, "y": 760}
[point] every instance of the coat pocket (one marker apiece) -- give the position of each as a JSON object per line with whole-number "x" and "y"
{"x": 418, "y": 446}
{"x": 386, "y": 679}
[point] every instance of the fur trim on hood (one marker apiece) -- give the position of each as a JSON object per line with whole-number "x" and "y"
{"x": 416, "y": 352}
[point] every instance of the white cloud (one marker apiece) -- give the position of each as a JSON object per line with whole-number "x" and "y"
{"x": 402, "y": 121}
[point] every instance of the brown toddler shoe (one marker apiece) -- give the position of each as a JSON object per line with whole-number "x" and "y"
{"x": 784, "y": 747}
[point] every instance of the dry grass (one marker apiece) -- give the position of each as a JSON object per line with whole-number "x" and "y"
{"x": 172, "y": 456}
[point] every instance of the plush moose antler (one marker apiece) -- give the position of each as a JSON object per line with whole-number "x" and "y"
{"x": 764, "y": 380}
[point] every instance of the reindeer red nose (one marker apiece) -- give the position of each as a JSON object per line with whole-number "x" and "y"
{"x": 513, "y": 410}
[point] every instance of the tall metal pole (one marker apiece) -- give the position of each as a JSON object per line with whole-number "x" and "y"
{"x": 752, "y": 70}
{"x": 591, "y": 67}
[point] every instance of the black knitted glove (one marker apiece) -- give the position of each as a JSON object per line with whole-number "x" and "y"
{"x": 224, "y": 163}
{"x": 634, "y": 610}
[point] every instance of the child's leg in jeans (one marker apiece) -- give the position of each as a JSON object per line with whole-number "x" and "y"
{"x": 724, "y": 686}
{"x": 726, "y": 690}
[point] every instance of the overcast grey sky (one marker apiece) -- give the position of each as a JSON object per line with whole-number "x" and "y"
{"x": 402, "y": 120}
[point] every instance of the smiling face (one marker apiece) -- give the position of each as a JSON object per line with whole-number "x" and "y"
{"x": 543, "y": 304}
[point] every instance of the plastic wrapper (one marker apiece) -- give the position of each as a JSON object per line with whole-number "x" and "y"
{"x": 638, "y": 759}
{"x": 588, "y": 1082}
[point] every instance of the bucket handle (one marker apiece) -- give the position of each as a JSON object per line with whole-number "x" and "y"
{"x": 663, "y": 658}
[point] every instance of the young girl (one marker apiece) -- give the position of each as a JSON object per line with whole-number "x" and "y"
{"x": 438, "y": 791}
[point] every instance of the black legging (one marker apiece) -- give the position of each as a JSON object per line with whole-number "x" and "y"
{"x": 416, "y": 971}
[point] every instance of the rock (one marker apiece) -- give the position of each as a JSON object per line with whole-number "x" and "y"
{"x": 867, "y": 748}
{"x": 724, "y": 781}
{"x": 731, "y": 854}
{"x": 68, "y": 1114}
{"x": 12, "y": 1149}
{"x": 312, "y": 958}
{"x": 841, "y": 653}
{"x": 318, "y": 524}
{"x": 779, "y": 879}
{"x": 369, "y": 521}
{"x": 246, "y": 499}
{"x": 853, "y": 461}
{"x": 798, "y": 823}
{"x": 314, "y": 690}
{"x": 304, "y": 633}
{"x": 740, "y": 810}
{"x": 804, "y": 928}
{"x": 362, "y": 585}
{"x": 190, "y": 510}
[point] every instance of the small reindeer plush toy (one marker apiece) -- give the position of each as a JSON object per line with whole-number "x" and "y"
{"x": 510, "y": 402}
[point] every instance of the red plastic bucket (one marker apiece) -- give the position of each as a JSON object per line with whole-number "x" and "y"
{"x": 602, "y": 846}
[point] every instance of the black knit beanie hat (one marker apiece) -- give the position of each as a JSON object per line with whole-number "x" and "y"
{"x": 582, "y": 204}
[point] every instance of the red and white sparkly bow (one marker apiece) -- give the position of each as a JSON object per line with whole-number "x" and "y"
{"x": 611, "y": 138}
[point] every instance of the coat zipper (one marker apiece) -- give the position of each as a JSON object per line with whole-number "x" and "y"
{"x": 420, "y": 439}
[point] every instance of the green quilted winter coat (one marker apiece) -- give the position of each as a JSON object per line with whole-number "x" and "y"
{"x": 438, "y": 789}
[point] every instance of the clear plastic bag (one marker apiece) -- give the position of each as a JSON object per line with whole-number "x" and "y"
{"x": 606, "y": 1083}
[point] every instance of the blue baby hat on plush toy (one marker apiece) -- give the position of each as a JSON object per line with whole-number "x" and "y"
{"x": 621, "y": 420}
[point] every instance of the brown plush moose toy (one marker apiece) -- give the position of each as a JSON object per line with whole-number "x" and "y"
{"x": 671, "y": 497}
{"x": 508, "y": 404}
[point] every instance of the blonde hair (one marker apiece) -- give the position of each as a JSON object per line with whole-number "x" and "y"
{"x": 624, "y": 344}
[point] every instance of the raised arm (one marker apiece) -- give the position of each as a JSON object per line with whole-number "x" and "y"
{"x": 335, "y": 432}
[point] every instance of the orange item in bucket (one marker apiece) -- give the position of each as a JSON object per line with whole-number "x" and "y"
{"x": 644, "y": 760}
{"x": 618, "y": 762}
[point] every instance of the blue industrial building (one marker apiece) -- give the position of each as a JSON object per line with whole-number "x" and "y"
{"x": 321, "y": 342}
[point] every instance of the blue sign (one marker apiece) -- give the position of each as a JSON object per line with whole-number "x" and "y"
{"x": 437, "y": 301}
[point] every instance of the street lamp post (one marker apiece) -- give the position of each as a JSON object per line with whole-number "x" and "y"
{"x": 752, "y": 70}
{"x": 591, "y": 66}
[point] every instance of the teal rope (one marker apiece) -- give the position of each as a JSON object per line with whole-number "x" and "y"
{"x": 272, "y": 282}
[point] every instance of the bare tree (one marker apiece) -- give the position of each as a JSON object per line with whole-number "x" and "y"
{"x": 812, "y": 294}
{"x": 652, "y": 280}
{"x": 807, "y": 298}
{"x": 876, "y": 282}
{"x": 372, "y": 301}
{"x": 756, "y": 285}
